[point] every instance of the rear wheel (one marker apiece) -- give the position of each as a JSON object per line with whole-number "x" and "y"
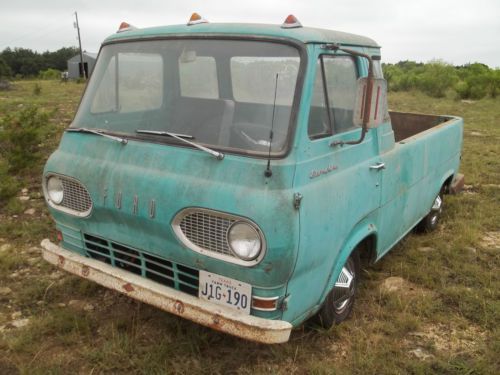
{"x": 430, "y": 222}
{"x": 339, "y": 302}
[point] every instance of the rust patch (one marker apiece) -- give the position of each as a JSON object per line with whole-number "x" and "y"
{"x": 179, "y": 307}
{"x": 216, "y": 320}
{"x": 60, "y": 261}
{"x": 128, "y": 287}
{"x": 268, "y": 268}
{"x": 85, "y": 271}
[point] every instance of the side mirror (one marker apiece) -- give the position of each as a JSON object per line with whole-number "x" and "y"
{"x": 377, "y": 104}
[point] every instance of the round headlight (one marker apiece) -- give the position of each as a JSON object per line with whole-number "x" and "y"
{"x": 55, "y": 189}
{"x": 244, "y": 240}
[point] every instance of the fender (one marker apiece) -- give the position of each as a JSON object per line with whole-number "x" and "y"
{"x": 365, "y": 228}
{"x": 447, "y": 175}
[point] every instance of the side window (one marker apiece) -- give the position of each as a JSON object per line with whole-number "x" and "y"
{"x": 319, "y": 124}
{"x": 379, "y": 73}
{"x": 198, "y": 77}
{"x": 341, "y": 77}
{"x": 377, "y": 69}
{"x": 334, "y": 95}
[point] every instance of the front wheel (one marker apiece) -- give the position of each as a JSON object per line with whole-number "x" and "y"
{"x": 430, "y": 222}
{"x": 339, "y": 302}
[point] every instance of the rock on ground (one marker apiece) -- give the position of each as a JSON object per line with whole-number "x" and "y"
{"x": 449, "y": 338}
{"x": 30, "y": 211}
{"x": 5, "y": 247}
{"x": 420, "y": 354}
{"x": 5, "y": 290}
{"x": 395, "y": 284}
{"x": 491, "y": 240}
{"x": 20, "y": 323}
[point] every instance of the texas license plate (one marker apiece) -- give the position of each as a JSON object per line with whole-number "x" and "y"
{"x": 225, "y": 291}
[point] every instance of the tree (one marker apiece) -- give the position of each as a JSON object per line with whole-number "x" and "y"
{"x": 5, "y": 70}
{"x": 28, "y": 63}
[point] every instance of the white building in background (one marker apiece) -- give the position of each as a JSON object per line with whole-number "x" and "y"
{"x": 75, "y": 70}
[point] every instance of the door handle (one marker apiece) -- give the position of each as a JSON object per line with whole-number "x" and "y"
{"x": 378, "y": 166}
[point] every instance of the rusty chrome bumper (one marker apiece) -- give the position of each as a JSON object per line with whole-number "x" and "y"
{"x": 168, "y": 299}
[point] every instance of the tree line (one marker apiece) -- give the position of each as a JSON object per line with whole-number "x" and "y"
{"x": 25, "y": 63}
{"x": 438, "y": 79}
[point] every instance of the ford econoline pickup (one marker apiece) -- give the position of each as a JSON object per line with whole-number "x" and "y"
{"x": 235, "y": 174}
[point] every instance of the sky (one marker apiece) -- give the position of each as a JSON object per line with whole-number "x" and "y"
{"x": 456, "y": 31}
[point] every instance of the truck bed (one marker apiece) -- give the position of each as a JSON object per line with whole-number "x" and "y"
{"x": 406, "y": 125}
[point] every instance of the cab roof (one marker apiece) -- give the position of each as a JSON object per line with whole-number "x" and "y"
{"x": 300, "y": 34}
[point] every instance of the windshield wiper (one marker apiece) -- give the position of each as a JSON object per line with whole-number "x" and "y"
{"x": 123, "y": 141}
{"x": 182, "y": 137}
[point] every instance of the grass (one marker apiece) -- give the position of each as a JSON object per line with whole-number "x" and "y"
{"x": 444, "y": 320}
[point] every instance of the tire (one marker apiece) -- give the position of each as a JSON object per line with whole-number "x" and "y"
{"x": 340, "y": 300}
{"x": 430, "y": 222}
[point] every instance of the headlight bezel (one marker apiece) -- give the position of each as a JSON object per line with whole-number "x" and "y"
{"x": 61, "y": 206}
{"x": 229, "y": 256}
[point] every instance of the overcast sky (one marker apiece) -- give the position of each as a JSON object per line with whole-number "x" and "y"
{"x": 457, "y": 31}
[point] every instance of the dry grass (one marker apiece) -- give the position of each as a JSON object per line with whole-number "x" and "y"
{"x": 442, "y": 317}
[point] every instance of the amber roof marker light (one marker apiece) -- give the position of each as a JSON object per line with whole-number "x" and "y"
{"x": 196, "y": 19}
{"x": 291, "y": 22}
{"x": 125, "y": 26}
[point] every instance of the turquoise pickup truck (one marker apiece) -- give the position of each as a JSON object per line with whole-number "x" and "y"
{"x": 235, "y": 174}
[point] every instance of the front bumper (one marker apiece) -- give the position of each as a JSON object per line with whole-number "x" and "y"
{"x": 175, "y": 302}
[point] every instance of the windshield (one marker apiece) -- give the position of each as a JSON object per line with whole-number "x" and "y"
{"x": 220, "y": 92}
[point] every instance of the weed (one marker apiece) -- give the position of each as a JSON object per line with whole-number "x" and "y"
{"x": 50, "y": 74}
{"x": 8, "y": 184}
{"x": 37, "y": 89}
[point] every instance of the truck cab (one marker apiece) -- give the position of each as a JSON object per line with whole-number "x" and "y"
{"x": 233, "y": 174}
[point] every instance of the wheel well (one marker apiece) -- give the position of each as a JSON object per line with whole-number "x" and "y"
{"x": 446, "y": 185}
{"x": 367, "y": 250}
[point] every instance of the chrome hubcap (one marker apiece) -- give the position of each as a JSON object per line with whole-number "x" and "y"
{"x": 436, "y": 209}
{"x": 344, "y": 287}
{"x": 438, "y": 202}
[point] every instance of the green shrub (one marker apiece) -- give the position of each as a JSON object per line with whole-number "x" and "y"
{"x": 5, "y": 70}
{"x": 8, "y": 184}
{"x": 20, "y": 137}
{"x": 437, "y": 78}
{"x": 476, "y": 80}
{"x": 50, "y": 74}
{"x": 37, "y": 89}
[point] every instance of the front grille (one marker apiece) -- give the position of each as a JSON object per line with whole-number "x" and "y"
{"x": 143, "y": 264}
{"x": 207, "y": 230}
{"x": 75, "y": 197}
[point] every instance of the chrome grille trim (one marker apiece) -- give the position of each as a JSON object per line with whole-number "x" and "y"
{"x": 205, "y": 231}
{"x": 76, "y": 199}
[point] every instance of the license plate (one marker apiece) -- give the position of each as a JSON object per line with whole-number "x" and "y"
{"x": 225, "y": 291}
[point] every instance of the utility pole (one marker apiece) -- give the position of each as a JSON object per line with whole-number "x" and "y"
{"x": 77, "y": 27}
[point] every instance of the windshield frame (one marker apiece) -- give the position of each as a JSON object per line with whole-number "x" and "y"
{"x": 292, "y": 126}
